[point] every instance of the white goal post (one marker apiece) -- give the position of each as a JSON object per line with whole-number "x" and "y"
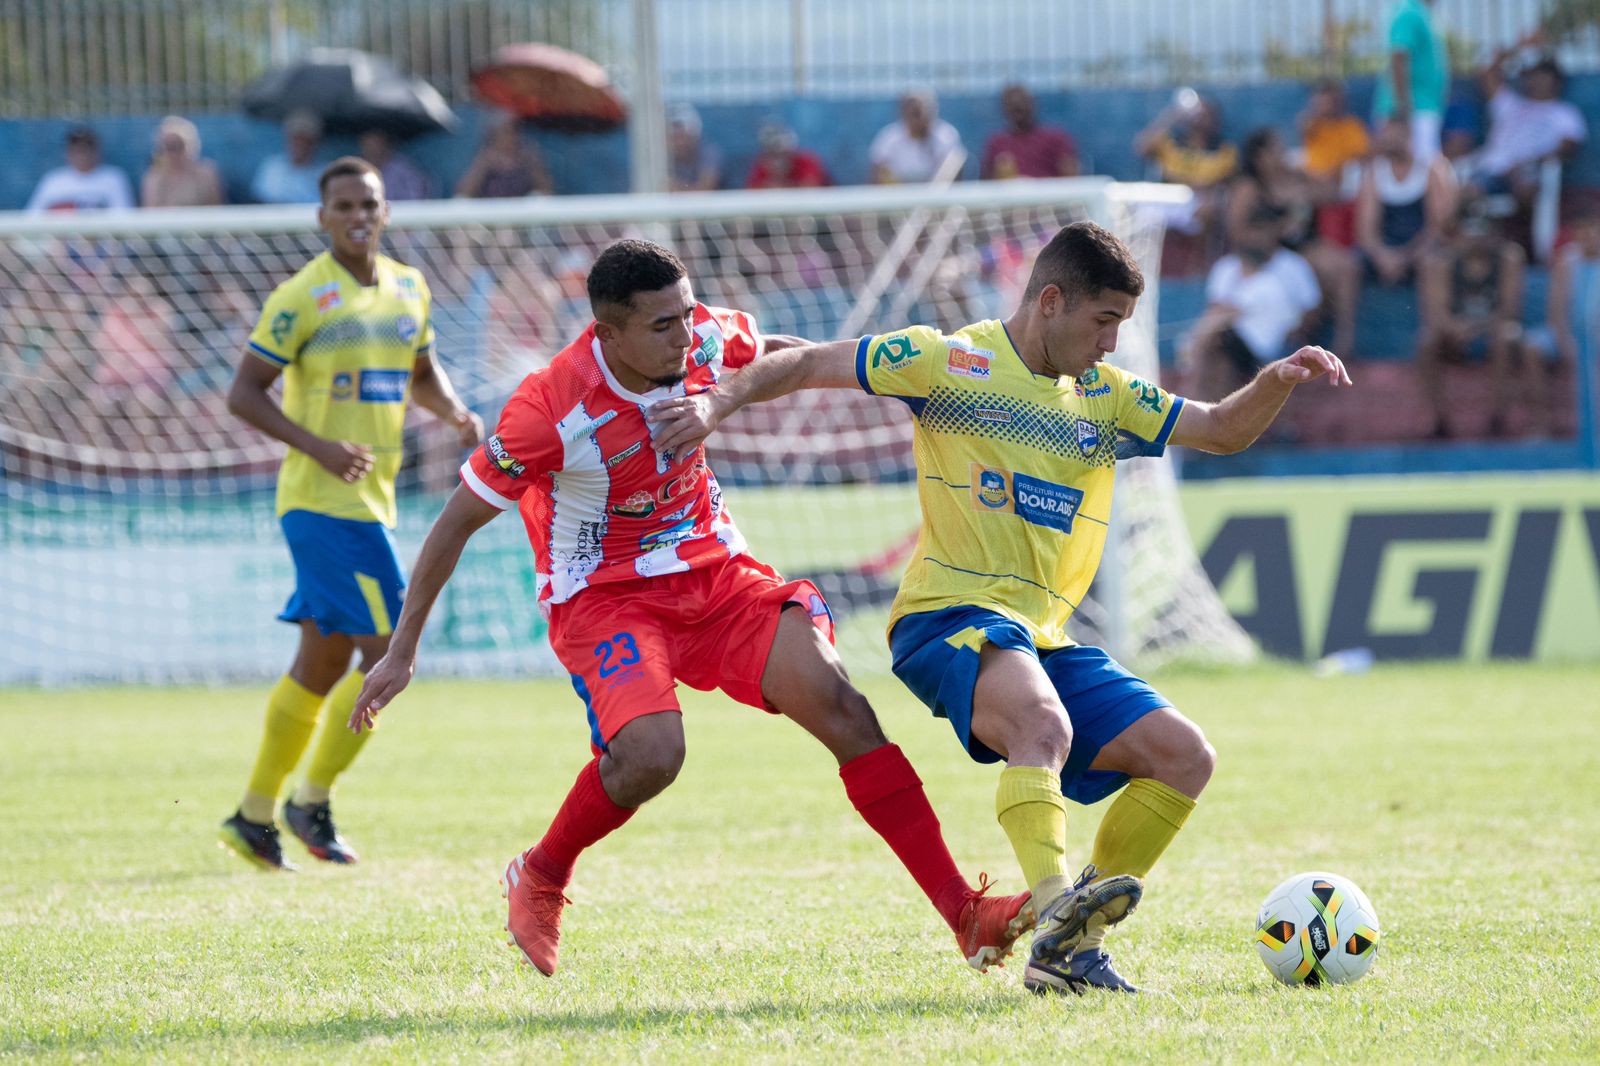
{"x": 137, "y": 536}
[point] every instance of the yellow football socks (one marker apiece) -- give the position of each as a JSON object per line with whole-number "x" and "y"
{"x": 1133, "y": 834}
{"x": 291, "y": 716}
{"x": 1031, "y": 810}
{"x": 336, "y": 747}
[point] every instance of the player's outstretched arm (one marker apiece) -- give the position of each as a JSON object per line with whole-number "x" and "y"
{"x": 248, "y": 399}
{"x": 463, "y": 515}
{"x": 432, "y": 391}
{"x": 680, "y": 424}
{"x": 1234, "y": 423}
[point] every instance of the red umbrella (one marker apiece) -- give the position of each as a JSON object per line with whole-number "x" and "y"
{"x": 550, "y": 87}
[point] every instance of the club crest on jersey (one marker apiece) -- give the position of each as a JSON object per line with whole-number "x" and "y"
{"x": 344, "y": 385}
{"x": 508, "y": 465}
{"x": 623, "y": 454}
{"x": 894, "y": 353}
{"x": 989, "y": 488}
{"x": 1088, "y": 435}
{"x": 406, "y": 327}
{"x": 969, "y": 362}
{"x": 640, "y": 505}
{"x": 327, "y": 296}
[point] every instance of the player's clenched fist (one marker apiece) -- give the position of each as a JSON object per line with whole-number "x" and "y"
{"x": 680, "y": 425}
{"x": 1310, "y": 363}
{"x": 386, "y": 680}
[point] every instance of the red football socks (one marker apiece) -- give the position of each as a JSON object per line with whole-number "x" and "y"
{"x": 888, "y": 794}
{"x": 586, "y": 816}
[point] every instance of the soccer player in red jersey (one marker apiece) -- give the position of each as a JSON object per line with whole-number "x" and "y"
{"x": 646, "y": 583}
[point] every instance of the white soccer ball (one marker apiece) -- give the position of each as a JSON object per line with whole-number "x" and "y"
{"x": 1316, "y": 928}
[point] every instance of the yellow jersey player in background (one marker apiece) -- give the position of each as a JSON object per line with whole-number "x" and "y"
{"x": 1018, "y": 428}
{"x": 351, "y": 336}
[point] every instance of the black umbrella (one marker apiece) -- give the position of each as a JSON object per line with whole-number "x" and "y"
{"x": 351, "y": 91}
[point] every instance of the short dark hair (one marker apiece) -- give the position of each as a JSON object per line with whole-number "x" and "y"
{"x": 627, "y": 267}
{"x": 83, "y": 135}
{"x": 345, "y": 166}
{"x": 1083, "y": 260}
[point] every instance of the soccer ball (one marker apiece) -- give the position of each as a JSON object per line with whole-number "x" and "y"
{"x": 1316, "y": 928}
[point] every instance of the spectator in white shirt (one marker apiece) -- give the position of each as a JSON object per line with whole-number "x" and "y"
{"x": 85, "y": 183}
{"x": 1526, "y": 126}
{"x": 1257, "y": 299}
{"x": 913, "y": 148}
{"x": 291, "y": 176}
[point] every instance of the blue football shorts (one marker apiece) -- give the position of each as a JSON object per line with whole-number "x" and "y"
{"x": 347, "y": 574}
{"x": 936, "y": 656}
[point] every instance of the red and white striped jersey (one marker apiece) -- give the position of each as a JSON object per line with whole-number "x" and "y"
{"x": 572, "y": 451}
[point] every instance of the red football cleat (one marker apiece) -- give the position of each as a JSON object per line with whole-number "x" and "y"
{"x": 534, "y": 921}
{"x": 991, "y": 924}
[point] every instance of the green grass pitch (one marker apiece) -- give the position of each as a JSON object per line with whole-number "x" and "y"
{"x": 749, "y": 915}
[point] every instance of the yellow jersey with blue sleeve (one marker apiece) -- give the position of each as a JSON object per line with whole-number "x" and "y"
{"x": 347, "y": 351}
{"x": 1014, "y": 470}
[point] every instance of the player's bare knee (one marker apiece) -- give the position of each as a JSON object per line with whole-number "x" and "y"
{"x": 1040, "y": 736}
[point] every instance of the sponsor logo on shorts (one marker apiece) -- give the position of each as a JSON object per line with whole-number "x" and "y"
{"x": 343, "y": 385}
{"x": 282, "y": 323}
{"x": 1035, "y": 501}
{"x": 993, "y": 414}
{"x": 624, "y": 453}
{"x": 327, "y": 296}
{"x": 969, "y": 362}
{"x": 1088, "y": 436}
{"x": 894, "y": 353}
{"x": 406, "y": 326}
{"x": 640, "y": 505}
{"x": 507, "y": 464}
{"x": 384, "y": 386}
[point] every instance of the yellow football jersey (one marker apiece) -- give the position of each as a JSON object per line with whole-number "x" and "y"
{"x": 1014, "y": 470}
{"x": 347, "y": 353}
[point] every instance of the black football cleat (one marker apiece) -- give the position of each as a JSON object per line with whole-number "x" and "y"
{"x": 254, "y": 842}
{"x": 313, "y": 824}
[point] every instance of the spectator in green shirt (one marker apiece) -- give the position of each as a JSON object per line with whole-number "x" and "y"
{"x": 1417, "y": 82}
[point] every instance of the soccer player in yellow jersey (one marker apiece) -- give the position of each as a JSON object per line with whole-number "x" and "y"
{"x": 351, "y": 336}
{"x": 1018, "y": 427}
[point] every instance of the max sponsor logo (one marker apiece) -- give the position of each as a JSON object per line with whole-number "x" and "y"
{"x": 508, "y": 465}
{"x": 969, "y": 362}
{"x": 384, "y": 386}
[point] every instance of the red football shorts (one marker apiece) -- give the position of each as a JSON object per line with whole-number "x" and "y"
{"x": 627, "y": 643}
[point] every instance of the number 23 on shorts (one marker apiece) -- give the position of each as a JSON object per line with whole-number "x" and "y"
{"x": 622, "y": 646}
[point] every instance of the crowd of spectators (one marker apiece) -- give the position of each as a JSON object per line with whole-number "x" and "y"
{"x": 1447, "y": 200}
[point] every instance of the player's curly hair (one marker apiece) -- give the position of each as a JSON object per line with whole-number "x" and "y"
{"x": 627, "y": 267}
{"x": 1083, "y": 260}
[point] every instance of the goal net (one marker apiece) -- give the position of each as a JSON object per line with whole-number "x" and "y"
{"x": 137, "y": 535}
